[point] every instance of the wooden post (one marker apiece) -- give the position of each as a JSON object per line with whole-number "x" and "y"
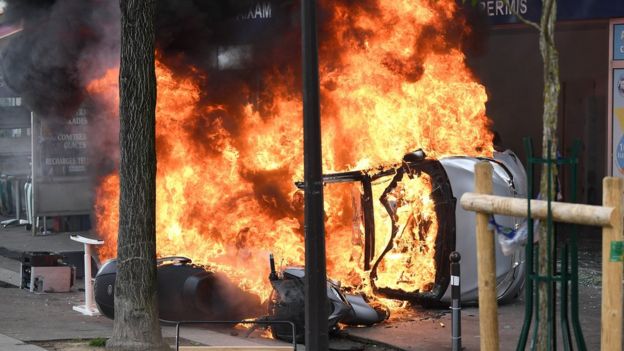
{"x": 486, "y": 265}
{"x": 611, "y": 315}
{"x": 561, "y": 211}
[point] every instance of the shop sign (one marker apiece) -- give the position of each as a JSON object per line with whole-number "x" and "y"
{"x": 618, "y": 42}
{"x": 498, "y": 12}
{"x": 618, "y": 120}
{"x": 616, "y": 98}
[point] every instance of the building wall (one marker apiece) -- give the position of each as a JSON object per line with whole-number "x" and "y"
{"x": 511, "y": 70}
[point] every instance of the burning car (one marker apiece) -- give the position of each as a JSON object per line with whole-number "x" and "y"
{"x": 409, "y": 234}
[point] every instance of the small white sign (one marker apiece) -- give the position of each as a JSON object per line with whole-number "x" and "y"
{"x": 454, "y": 280}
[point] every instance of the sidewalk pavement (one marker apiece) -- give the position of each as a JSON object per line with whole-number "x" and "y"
{"x": 10, "y": 344}
{"x": 37, "y": 317}
{"x": 29, "y": 317}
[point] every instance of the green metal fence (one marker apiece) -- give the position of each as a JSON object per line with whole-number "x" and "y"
{"x": 565, "y": 275}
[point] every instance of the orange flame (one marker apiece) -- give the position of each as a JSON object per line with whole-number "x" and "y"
{"x": 227, "y": 199}
{"x": 410, "y": 265}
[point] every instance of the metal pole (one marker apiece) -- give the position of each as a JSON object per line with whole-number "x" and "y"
{"x": 316, "y": 328}
{"x": 574, "y": 310}
{"x": 551, "y": 328}
{"x": 455, "y": 301}
{"x": 529, "y": 281}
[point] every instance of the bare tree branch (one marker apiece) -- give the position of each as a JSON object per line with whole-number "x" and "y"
{"x": 520, "y": 17}
{"x": 551, "y": 8}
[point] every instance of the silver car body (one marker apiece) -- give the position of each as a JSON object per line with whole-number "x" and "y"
{"x": 509, "y": 179}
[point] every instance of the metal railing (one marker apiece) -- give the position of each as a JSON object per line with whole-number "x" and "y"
{"x": 233, "y": 322}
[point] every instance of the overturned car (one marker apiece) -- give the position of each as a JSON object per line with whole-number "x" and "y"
{"x": 401, "y": 241}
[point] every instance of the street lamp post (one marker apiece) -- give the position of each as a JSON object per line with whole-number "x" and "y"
{"x": 316, "y": 329}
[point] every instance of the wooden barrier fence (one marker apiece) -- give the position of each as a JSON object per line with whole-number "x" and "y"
{"x": 609, "y": 216}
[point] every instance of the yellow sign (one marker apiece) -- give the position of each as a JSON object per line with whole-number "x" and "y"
{"x": 619, "y": 113}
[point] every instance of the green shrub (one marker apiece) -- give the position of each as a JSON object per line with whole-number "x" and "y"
{"x": 98, "y": 342}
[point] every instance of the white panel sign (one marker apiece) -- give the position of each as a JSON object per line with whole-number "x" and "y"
{"x": 616, "y": 98}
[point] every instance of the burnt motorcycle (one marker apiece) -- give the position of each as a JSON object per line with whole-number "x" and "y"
{"x": 288, "y": 299}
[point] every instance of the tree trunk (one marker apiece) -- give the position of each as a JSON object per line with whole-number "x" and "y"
{"x": 136, "y": 325}
{"x": 550, "y": 58}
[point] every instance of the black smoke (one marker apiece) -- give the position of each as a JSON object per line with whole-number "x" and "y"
{"x": 64, "y": 44}
{"x": 235, "y": 48}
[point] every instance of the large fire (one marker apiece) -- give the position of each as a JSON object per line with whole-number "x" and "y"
{"x": 226, "y": 195}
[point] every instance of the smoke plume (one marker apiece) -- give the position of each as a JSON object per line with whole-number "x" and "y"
{"x": 64, "y": 44}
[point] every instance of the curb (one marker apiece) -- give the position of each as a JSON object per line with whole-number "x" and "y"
{"x": 10, "y": 344}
